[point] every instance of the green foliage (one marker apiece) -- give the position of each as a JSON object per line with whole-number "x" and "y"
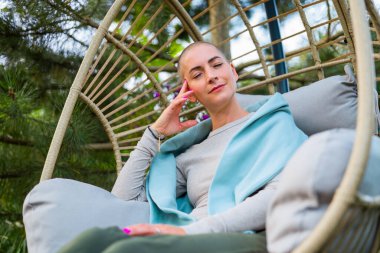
{"x": 12, "y": 236}
{"x": 42, "y": 45}
{"x": 26, "y": 130}
{"x": 35, "y": 74}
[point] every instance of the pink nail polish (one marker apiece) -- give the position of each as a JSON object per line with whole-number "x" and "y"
{"x": 127, "y": 231}
{"x": 185, "y": 97}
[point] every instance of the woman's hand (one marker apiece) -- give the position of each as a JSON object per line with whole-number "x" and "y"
{"x": 168, "y": 123}
{"x": 150, "y": 229}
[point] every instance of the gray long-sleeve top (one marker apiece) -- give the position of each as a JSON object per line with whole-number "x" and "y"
{"x": 196, "y": 168}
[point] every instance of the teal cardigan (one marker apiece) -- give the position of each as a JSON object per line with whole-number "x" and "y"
{"x": 254, "y": 156}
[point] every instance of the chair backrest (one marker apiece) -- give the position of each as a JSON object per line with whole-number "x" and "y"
{"x": 128, "y": 74}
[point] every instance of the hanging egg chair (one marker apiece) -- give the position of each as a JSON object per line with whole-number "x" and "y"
{"x": 128, "y": 75}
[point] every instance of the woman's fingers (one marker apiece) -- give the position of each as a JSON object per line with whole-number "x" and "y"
{"x": 187, "y": 124}
{"x": 182, "y": 96}
{"x": 140, "y": 230}
{"x": 184, "y": 88}
{"x": 149, "y": 229}
{"x": 169, "y": 123}
{"x": 178, "y": 102}
{"x": 181, "y": 99}
{"x": 187, "y": 93}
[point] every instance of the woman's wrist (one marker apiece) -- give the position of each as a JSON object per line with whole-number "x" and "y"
{"x": 156, "y": 134}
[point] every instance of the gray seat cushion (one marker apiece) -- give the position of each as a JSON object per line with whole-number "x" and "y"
{"x": 307, "y": 185}
{"x": 323, "y": 105}
{"x": 57, "y": 210}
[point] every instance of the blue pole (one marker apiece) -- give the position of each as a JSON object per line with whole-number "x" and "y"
{"x": 277, "y": 49}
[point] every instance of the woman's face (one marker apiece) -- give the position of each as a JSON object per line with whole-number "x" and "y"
{"x": 209, "y": 75}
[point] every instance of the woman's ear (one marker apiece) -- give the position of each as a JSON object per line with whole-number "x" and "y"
{"x": 234, "y": 72}
{"x": 192, "y": 98}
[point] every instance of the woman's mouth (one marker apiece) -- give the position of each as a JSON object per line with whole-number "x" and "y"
{"x": 216, "y": 87}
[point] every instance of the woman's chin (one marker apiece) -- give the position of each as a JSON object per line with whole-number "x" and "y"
{"x": 219, "y": 100}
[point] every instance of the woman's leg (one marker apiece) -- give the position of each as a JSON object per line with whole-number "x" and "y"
{"x": 113, "y": 240}
{"x": 202, "y": 243}
{"x": 94, "y": 240}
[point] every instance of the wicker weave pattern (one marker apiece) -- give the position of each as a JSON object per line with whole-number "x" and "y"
{"x": 128, "y": 86}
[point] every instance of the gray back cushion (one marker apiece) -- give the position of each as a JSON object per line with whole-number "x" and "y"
{"x": 323, "y": 105}
{"x": 308, "y": 183}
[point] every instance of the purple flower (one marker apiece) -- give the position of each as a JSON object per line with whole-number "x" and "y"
{"x": 156, "y": 94}
{"x": 205, "y": 116}
{"x": 167, "y": 86}
{"x": 176, "y": 92}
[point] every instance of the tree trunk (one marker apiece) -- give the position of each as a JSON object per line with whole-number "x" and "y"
{"x": 219, "y": 13}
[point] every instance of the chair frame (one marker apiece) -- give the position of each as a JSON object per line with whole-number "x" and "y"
{"x": 346, "y": 194}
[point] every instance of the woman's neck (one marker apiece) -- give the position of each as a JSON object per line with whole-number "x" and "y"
{"x": 229, "y": 113}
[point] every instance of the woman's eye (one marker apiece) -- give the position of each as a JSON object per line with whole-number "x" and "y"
{"x": 218, "y": 65}
{"x": 197, "y": 75}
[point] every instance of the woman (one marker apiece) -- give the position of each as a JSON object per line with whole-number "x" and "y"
{"x": 218, "y": 176}
{"x": 210, "y": 79}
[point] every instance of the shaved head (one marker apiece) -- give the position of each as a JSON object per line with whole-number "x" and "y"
{"x": 188, "y": 49}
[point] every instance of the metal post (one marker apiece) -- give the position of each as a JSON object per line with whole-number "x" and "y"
{"x": 277, "y": 49}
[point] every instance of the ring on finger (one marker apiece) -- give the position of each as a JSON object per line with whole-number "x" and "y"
{"x": 157, "y": 230}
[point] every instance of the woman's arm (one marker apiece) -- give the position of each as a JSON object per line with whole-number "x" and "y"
{"x": 248, "y": 215}
{"x": 130, "y": 184}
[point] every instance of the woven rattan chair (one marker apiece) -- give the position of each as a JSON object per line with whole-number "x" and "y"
{"x": 128, "y": 76}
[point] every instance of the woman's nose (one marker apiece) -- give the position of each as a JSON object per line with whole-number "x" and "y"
{"x": 211, "y": 76}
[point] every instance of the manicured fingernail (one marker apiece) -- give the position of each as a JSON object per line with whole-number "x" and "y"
{"x": 185, "y": 97}
{"x": 127, "y": 231}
